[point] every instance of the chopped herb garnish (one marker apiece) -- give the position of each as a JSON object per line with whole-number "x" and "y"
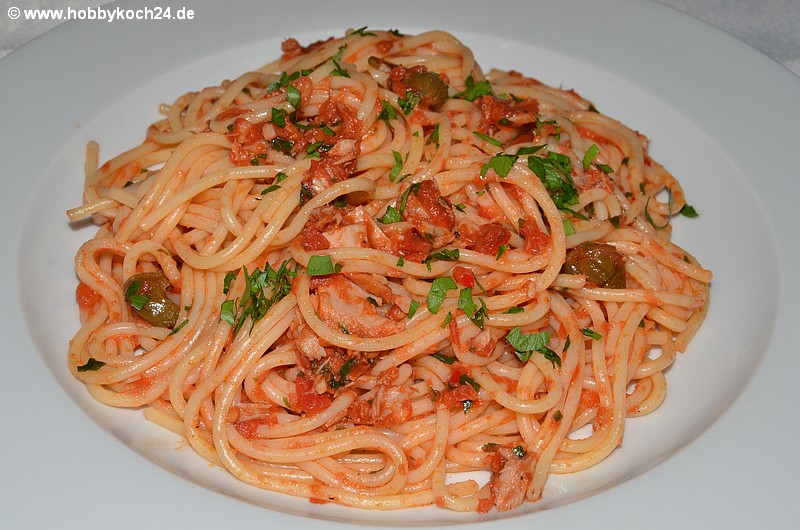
{"x": 400, "y": 261}
{"x": 592, "y": 334}
{"x": 387, "y": 113}
{"x": 270, "y": 189}
{"x": 336, "y": 382}
{"x": 487, "y": 138}
{"x": 397, "y": 166}
{"x": 293, "y": 96}
{"x": 445, "y": 254}
{"x": 392, "y": 215}
{"x": 444, "y": 358}
{"x": 405, "y": 194}
{"x": 412, "y": 308}
{"x": 282, "y": 145}
{"x": 438, "y": 293}
{"x": 315, "y": 149}
{"x": 263, "y": 288}
{"x": 555, "y": 172}
{"x": 525, "y": 344}
{"x": 464, "y": 379}
{"x": 179, "y": 326}
{"x": 338, "y": 71}
{"x": 589, "y": 156}
{"x": 688, "y": 211}
{"x": 500, "y": 251}
{"x": 519, "y": 452}
{"x": 447, "y": 319}
{"x": 226, "y": 282}
{"x": 467, "y": 304}
{"x": 474, "y": 90}
{"x": 278, "y": 117}
{"x": 669, "y": 212}
{"x": 615, "y": 221}
{"x": 284, "y": 81}
{"x": 361, "y": 31}
{"x": 92, "y": 365}
{"x": 467, "y": 404}
{"x": 513, "y": 310}
{"x": 434, "y": 136}
{"x": 138, "y": 301}
{"x": 227, "y": 312}
{"x": 322, "y": 265}
{"x": 501, "y": 164}
{"x": 409, "y": 102}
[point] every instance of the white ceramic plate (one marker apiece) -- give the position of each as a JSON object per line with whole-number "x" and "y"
{"x": 723, "y": 118}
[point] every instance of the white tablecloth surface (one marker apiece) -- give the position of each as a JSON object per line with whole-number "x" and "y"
{"x": 771, "y": 26}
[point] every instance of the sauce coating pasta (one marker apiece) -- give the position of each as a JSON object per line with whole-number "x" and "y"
{"x": 371, "y": 265}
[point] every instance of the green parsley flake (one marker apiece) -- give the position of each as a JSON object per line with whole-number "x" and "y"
{"x": 438, "y": 293}
{"x": 589, "y": 156}
{"x": 322, "y": 265}
{"x": 92, "y": 365}
{"x": 525, "y": 344}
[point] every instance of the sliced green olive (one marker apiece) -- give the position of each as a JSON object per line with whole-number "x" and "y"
{"x": 147, "y": 295}
{"x": 602, "y": 264}
{"x": 430, "y": 87}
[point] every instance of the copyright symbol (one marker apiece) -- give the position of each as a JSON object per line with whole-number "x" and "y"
{"x": 13, "y": 13}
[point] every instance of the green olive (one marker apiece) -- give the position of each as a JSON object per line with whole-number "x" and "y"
{"x": 147, "y": 295}
{"x": 430, "y": 87}
{"x": 602, "y": 264}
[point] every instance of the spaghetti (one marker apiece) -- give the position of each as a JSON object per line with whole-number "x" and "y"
{"x": 369, "y": 266}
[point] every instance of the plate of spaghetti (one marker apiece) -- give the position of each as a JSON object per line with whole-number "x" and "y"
{"x": 365, "y": 270}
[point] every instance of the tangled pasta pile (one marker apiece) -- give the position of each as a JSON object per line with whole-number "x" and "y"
{"x": 370, "y": 265}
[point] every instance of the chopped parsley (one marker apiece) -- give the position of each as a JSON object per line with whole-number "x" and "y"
{"x": 525, "y": 344}
{"x": 501, "y": 164}
{"x": 397, "y": 166}
{"x": 474, "y": 90}
{"x": 487, "y": 138}
{"x": 589, "y": 156}
{"x": 392, "y": 215}
{"x": 362, "y": 31}
{"x": 464, "y": 379}
{"x": 92, "y": 365}
{"x": 409, "y": 102}
{"x": 438, "y": 293}
{"x": 445, "y": 254}
{"x": 467, "y": 304}
{"x": 555, "y": 172}
{"x": 589, "y": 332}
{"x": 446, "y": 359}
{"x": 263, "y": 288}
{"x": 412, "y": 308}
{"x": 322, "y": 265}
{"x": 339, "y": 379}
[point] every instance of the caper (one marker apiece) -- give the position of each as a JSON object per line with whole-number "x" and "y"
{"x": 147, "y": 294}
{"x": 431, "y": 89}
{"x": 602, "y": 264}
